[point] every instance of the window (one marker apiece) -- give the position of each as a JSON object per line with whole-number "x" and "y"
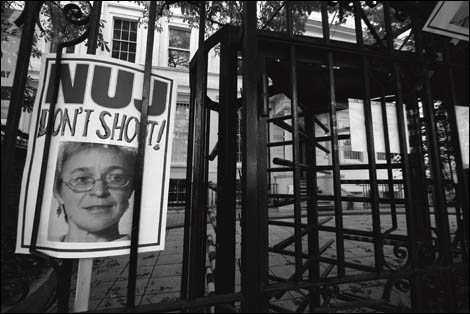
{"x": 353, "y": 155}
{"x": 381, "y": 156}
{"x": 178, "y": 48}
{"x": 180, "y": 134}
{"x": 177, "y": 192}
{"x": 124, "y": 40}
{"x": 349, "y": 154}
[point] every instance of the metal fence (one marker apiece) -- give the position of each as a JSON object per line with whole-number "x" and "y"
{"x": 314, "y": 73}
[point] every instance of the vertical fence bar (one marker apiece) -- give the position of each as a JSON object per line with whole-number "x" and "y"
{"x": 440, "y": 206}
{"x": 391, "y": 190}
{"x": 295, "y": 148}
{"x": 388, "y": 26}
{"x": 391, "y": 52}
{"x": 296, "y": 157}
{"x": 251, "y": 249}
{"x": 390, "y": 48}
{"x": 358, "y": 24}
{"x": 47, "y": 142}
{"x": 64, "y": 275}
{"x": 420, "y": 200}
{"x": 438, "y": 193}
{"x": 95, "y": 15}
{"x": 263, "y": 115}
{"x": 204, "y": 201}
{"x": 189, "y": 176}
{"x": 139, "y": 167}
{"x": 427, "y": 102}
{"x": 196, "y": 203}
{"x": 462, "y": 188}
{"x": 374, "y": 193}
{"x": 334, "y": 147}
{"x": 440, "y": 209}
{"x": 16, "y": 103}
{"x": 336, "y": 170}
{"x": 312, "y": 211}
{"x": 226, "y": 170}
{"x": 416, "y": 291}
{"x": 411, "y": 199}
{"x": 324, "y": 21}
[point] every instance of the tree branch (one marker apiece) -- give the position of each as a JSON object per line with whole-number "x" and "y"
{"x": 275, "y": 13}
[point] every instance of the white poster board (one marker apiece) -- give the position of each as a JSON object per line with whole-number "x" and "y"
{"x": 449, "y": 18}
{"x": 358, "y": 126}
{"x": 461, "y": 114}
{"x": 87, "y": 198}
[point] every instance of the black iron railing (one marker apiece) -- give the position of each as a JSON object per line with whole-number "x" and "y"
{"x": 315, "y": 75}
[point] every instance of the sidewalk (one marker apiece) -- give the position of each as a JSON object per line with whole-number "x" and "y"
{"x": 159, "y": 273}
{"x": 158, "y": 277}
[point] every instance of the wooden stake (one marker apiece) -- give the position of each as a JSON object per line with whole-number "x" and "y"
{"x": 82, "y": 294}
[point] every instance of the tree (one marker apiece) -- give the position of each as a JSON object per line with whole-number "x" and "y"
{"x": 55, "y": 27}
{"x": 271, "y": 17}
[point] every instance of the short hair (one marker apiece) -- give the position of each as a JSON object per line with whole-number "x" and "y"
{"x": 68, "y": 149}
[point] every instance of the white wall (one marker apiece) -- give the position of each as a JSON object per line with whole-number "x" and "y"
{"x": 131, "y": 11}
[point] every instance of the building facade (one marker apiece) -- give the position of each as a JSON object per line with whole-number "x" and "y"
{"x": 175, "y": 45}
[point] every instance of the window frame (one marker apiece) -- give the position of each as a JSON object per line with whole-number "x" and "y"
{"x": 381, "y": 156}
{"x": 120, "y": 40}
{"x": 175, "y": 146}
{"x": 177, "y": 197}
{"x": 179, "y": 49}
{"x": 350, "y": 155}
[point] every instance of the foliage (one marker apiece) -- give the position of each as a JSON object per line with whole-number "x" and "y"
{"x": 446, "y": 152}
{"x": 399, "y": 25}
{"x": 271, "y": 14}
{"x": 271, "y": 17}
{"x": 54, "y": 27}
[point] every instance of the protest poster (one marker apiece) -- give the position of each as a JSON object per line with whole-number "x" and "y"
{"x": 449, "y": 18}
{"x": 358, "y": 126}
{"x": 88, "y": 194}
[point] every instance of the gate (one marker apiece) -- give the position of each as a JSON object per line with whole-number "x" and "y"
{"x": 411, "y": 254}
{"x": 416, "y": 232}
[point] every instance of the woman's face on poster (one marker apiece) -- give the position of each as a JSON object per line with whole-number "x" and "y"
{"x": 94, "y": 189}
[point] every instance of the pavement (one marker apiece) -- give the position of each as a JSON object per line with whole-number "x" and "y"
{"x": 159, "y": 273}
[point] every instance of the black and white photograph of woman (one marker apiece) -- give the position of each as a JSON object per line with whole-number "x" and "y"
{"x": 93, "y": 184}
